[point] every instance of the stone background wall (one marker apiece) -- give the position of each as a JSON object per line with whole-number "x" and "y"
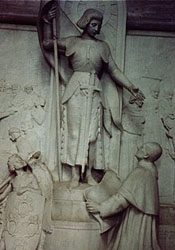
{"x": 24, "y": 84}
{"x": 149, "y": 64}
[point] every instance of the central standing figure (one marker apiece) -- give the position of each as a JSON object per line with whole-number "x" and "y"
{"x": 83, "y": 100}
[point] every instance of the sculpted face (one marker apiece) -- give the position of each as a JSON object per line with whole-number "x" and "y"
{"x": 28, "y": 89}
{"x": 93, "y": 28}
{"x": 155, "y": 94}
{"x": 14, "y": 136}
{"x": 15, "y": 162}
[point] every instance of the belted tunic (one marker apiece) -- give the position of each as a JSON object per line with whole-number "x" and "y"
{"x": 83, "y": 102}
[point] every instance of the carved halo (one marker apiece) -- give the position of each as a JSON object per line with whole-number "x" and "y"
{"x": 110, "y": 9}
{"x": 77, "y": 8}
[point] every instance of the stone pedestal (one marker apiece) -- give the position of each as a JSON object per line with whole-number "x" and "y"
{"x": 73, "y": 227}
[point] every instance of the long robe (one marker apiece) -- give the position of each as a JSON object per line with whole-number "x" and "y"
{"x": 138, "y": 199}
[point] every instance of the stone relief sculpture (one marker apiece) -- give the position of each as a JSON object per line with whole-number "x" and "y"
{"x": 28, "y": 205}
{"x": 84, "y": 61}
{"x": 5, "y": 189}
{"x": 7, "y": 108}
{"x": 23, "y": 146}
{"x": 166, "y": 114}
{"x": 99, "y": 193}
{"x": 137, "y": 198}
{"x": 167, "y": 118}
{"x": 44, "y": 179}
{"x": 20, "y": 105}
{"x": 22, "y": 100}
{"x": 5, "y": 114}
{"x": 155, "y": 93}
{"x": 152, "y": 111}
{"x": 168, "y": 123}
{"x": 167, "y": 102}
{"x": 83, "y": 102}
{"x": 133, "y": 122}
{"x": 36, "y": 104}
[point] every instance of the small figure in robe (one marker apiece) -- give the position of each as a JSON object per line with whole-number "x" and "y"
{"x": 139, "y": 200}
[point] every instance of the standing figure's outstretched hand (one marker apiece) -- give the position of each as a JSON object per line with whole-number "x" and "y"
{"x": 138, "y": 96}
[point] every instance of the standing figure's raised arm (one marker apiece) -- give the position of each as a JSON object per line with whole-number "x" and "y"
{"x": 48, "y": 43}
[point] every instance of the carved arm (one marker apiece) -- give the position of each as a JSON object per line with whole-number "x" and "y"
{"x": 113, "y": 205}
{"x": 118, "y": 77}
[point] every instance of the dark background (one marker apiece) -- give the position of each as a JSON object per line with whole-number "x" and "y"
{"x": 141, "y": 14}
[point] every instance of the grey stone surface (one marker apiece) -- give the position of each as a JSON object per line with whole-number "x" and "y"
{"x": 152, "y": 68}
{"x": 137, "y": 199}
{"x": 27, "y": 105}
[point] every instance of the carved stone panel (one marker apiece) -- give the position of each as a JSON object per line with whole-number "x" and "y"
{"x": 29, "y": 123}
{"x": 149, "y": 63}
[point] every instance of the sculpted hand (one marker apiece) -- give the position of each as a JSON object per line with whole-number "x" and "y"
{"x": 52, "y": 13}
{"x": 138, "y": 96}
{"x": 92, "y": 207}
